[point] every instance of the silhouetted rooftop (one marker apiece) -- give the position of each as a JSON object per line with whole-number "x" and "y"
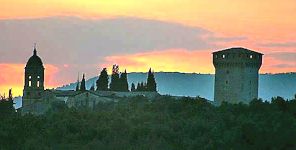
{"x": 238, "y": 50}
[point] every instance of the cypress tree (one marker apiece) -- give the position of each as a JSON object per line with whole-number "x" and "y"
{"x": 102, "y": 82}
{"x": 133, "y": 87}
{"x": 115, "y": 80}
{"x": 123, "y": 82}
{"x": 138, "y": 87}
{"x": 82, "y": 86}
{"x": 151, "y": 83}
{"x": 92, "y": 88}
{"x": 77, "y": 85}
{"x": 142, "y": 87}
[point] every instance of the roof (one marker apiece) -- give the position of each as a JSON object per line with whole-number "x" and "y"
{"x": 237, "y": 50}
{"x": 34, "y": 61}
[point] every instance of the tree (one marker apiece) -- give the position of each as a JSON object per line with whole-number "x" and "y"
{"x": 77, "y": 85}
{"x": 138, "y": 87}
{"x": 115, "y": 81}
{"x": 151, "y": 83}
{"x": 82, "y": 86}
{"x": 133, "y": 87}
{"x": 6, "y": 105}
{"x": 123, "y": 82}
{"x": 92, "y": 88}
{"x": 102, "y": 82}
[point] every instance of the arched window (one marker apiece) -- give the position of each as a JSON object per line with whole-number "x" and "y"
{"x": 30, "y": 83}
{"x": 38, "y": 83}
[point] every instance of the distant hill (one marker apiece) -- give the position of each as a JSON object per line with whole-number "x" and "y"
{"x": 192, "y": 84}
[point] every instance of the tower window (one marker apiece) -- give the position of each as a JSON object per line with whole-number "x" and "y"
{"x": 251, "y": 56}
{"x": 223, "y": 56}
{"x": 30, "y": 77}
{"x": 38, "y": 77}
{"x": 216, "y": 56}
{"x": 30, "y": 83}
{"x": 38, "y": 83}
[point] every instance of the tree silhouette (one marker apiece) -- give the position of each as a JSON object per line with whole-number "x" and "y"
{"x": 6, "y": 105}
{"x": 133, "y": 87}
{"x": 82, "y": 86}
{"x": 115, "y": 80}
{"x": 151, "y": 83}
{"x": 77, "y": 85}
{"x": 102, "y": 82}
{"x": 123, "y": 82}
{"x": 92, "y": 88}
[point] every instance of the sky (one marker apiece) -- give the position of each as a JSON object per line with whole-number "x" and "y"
{"x": 167, "y": 35}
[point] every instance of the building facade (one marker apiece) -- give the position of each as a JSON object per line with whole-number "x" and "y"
{"x": 236, "y": 75}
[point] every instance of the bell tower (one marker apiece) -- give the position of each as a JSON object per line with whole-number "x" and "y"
{"x": 34, "y": 79}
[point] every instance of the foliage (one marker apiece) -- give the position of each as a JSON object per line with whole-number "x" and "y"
{"x": 118, "y": 80}
{"x": 102, "y": 82}
{"x": 149, "y": 86}
{"x": 123, "y": 82}
{"x": 133, "y": 87}
{"x": 115, "y": 79}
{"x": 82, "y": 86}
{"x": 162, "y": 123}
{"x": 151, "y": 83}
{"x": 6, "y": 105}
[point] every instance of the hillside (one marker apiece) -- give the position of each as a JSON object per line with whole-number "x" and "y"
{"x": 191, "y": 84}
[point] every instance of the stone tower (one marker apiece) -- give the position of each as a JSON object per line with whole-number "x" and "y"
{"x": 34, "y": 80}
{"x": 236, "y": 75}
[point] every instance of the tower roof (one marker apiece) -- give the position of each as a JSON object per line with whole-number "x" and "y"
{"x": 238, "y": 50}
{"x": 35, "y": 60}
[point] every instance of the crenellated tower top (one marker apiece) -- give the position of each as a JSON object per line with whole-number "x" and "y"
{"x": 237, "y": 57}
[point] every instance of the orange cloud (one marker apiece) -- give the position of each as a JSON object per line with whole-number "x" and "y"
{"x": 12, "y": 76}
{"x": 274, "y": 65}
{"x": 261, "y": 20}
{"x": 180, "y": 60}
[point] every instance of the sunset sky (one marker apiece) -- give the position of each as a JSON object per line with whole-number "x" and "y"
{"x": 168, "y": 35}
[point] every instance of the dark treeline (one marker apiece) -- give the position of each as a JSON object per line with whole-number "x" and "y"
{"x": 162, "y": 124}
{"x": 119, "y": 82}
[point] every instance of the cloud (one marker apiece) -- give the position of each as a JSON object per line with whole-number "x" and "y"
{"x": 83, "y": 44}
{"x": 284, "y": 56}
{"x": 284, "y": 66}
{"x": 276, "y": 62}
{"x": 282, "y": 44}
{"x": 226, "y": 39}
{"x": 172, "y": 60}
{"x": 81, "y": 39}
{"x": 71, "y": 40}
